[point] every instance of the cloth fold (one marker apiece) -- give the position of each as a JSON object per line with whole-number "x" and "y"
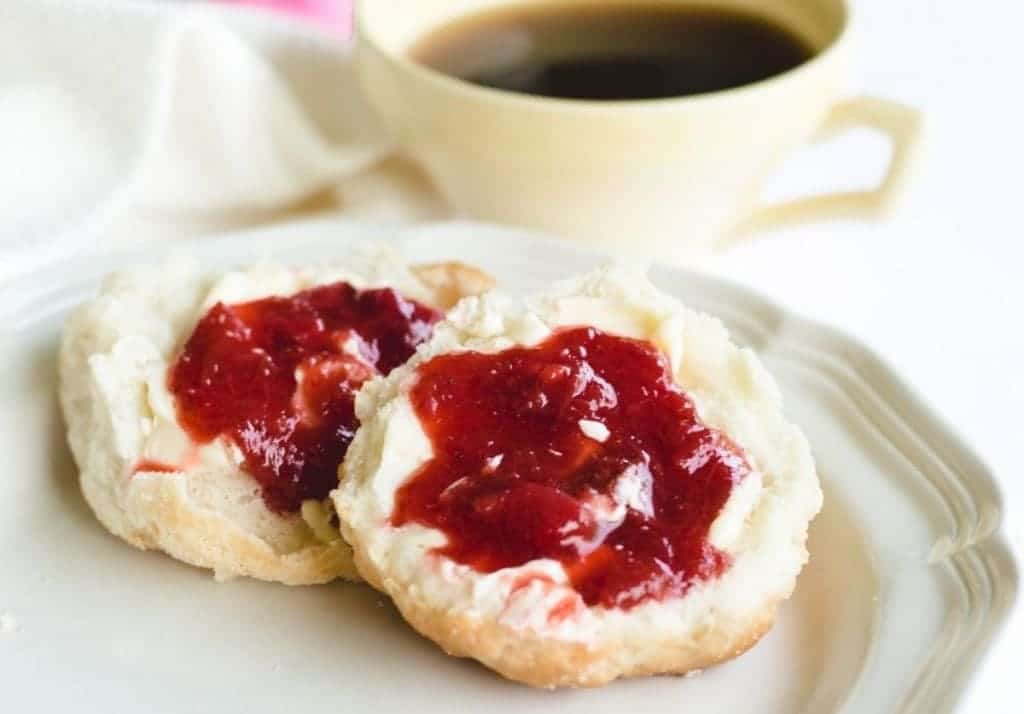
{"x": 204, "y": 119}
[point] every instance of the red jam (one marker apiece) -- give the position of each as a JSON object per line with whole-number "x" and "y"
{"x": 278, "y": 378}
{"x": 153, "y": 467}
{"x": 515, "y": 478}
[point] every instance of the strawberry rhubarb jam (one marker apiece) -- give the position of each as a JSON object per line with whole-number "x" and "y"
{"x": 278, "y": 378}
{"x": 581, "y": 449}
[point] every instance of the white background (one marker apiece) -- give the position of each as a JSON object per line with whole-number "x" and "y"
{"x": 937, "y": 289}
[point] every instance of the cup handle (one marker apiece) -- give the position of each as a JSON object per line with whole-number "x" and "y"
{"x": 901, "y": 123}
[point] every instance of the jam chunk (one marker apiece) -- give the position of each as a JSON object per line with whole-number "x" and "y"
{"x": 278, "y": 377}
{"x": 581, "y": 449}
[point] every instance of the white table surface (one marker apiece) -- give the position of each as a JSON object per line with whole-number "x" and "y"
{"x": 936, "y": 290}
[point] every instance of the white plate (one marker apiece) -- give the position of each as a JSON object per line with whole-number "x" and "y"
{"x": 908, "y": 582}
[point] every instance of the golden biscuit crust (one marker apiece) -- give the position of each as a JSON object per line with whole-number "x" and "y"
{"x": 548, "y": 663}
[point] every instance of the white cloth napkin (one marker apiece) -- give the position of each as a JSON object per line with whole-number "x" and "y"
{"x": 123, "y": 122}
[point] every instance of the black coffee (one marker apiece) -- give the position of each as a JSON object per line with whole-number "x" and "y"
{"x": 612, "y": 50}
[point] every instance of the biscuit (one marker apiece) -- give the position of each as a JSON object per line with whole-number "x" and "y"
{"x": 121, "y": 419}
{"x": 530, "y": 619}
